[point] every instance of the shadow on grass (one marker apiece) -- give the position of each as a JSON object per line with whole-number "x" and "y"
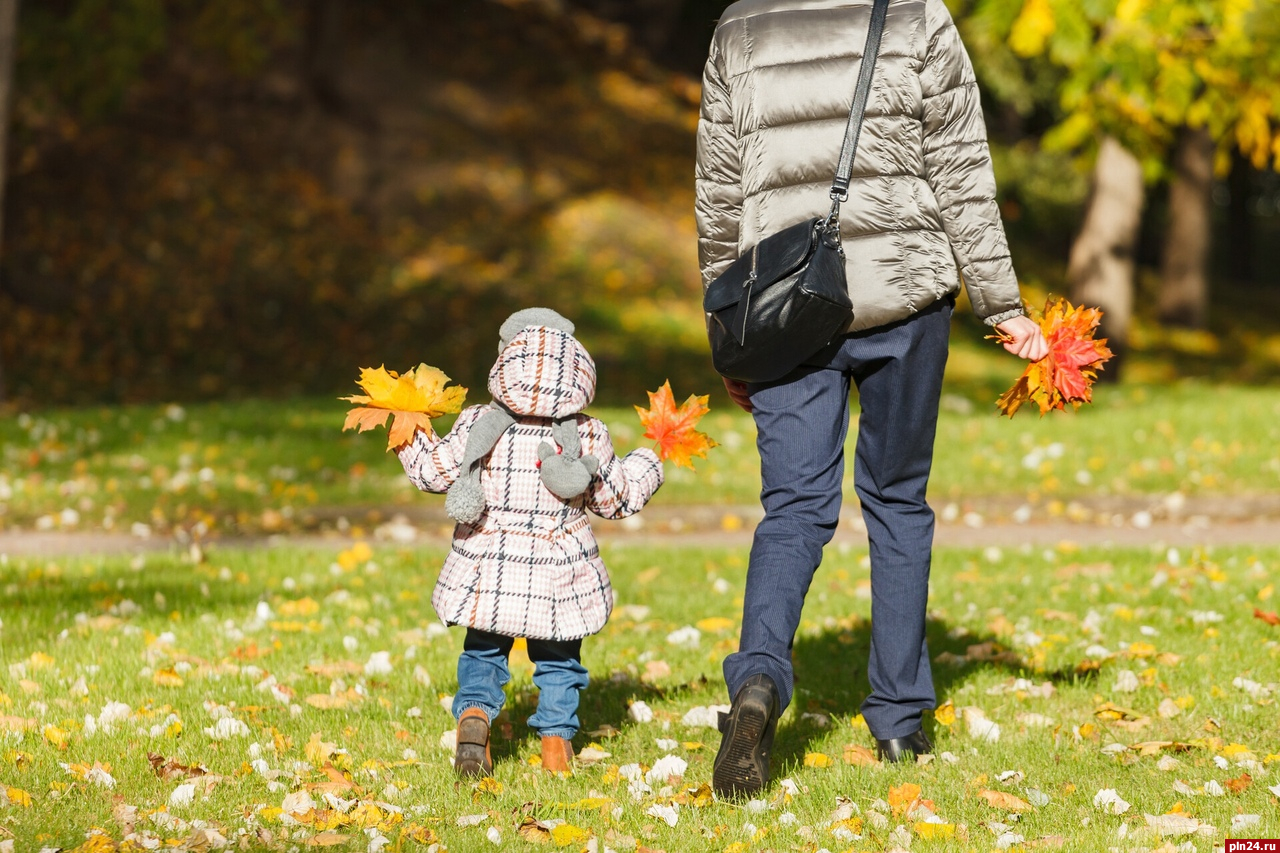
{"x": 831, "y": 679}
{"x": 602, "y": 710}
{"x": 40, "y": 594}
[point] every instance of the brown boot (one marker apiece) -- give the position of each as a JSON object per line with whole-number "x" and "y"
{"x": 472, "y": 759}
{"x": 557, "y": 755}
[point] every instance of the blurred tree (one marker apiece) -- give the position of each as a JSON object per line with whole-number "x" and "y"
{"x": 1184, "y": 290}
{"x": 1100, "y": 269}
{"x": 8, "y": 33}
{"x": 1153, "y": 77}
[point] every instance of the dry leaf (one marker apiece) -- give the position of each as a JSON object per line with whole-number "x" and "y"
{"x": 1240, "y": 784}
{"x": 1067, "y": 373}
{"x": 902, "y": 797}
{"x": 1005, "y": 801}
{"x": 566, "y": 834}
{"x": 534, "y": 831}
{"x": 414, "y": 398}
{"x": 859, "y": 756}
{"x": 1269, "y": 618}
{"x": 16, "y": 724}
{"x": 171, "y": 769}
{"x": 817, "y": 759}
{"x": 673, "y": 429}
{"x": 934, "y": 831}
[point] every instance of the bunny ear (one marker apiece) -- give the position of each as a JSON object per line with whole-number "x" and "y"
{"x": 545, "y": 450}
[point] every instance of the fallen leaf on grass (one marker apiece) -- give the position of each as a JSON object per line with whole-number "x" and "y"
{"x": 1175, "y": 824}
{"x": 903, "y": 797}
{"x": 1154, "y": 747}
{"x": 328, "y": 839}
{"x": 333, "y": 701}
{"x": 16, "y": 797}
{"x": 1240, "y": 784}
{"x": 1108, "y": 800}
{"x": 1002, "y": 800}
{"x": 535, "y": 831}
{"x": 933, "y": 831}
{"x": 16, "y": 724}
{"x": 1269, "y": 618}
{"x": 171, "y": 769}
{"x": 859, "y": 756}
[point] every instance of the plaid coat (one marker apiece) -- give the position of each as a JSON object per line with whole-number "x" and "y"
{"x": 530, "y": 566}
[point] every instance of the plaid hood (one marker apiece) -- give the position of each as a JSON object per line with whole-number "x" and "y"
{"x": 544, "y": 373}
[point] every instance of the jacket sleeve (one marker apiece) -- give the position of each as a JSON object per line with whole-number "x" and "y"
{"x": 433, "y": 463}
{"x": 958, "y": 168}
{"x": 717, "y": 175}
{"x": 623, "y": 485}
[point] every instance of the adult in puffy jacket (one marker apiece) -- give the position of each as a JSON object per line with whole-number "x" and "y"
{"x": 921, "y": 217}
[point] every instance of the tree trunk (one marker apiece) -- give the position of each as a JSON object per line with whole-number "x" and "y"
{"x": 1184, "y": 284}
{"x": 8, "y": 44}
{"x": 1101, "y": 267}
{"x": 322, "y": 54}
{"x": 1240, "y": 241}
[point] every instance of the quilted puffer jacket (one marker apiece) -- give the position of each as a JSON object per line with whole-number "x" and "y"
{"x": 530, "y": 565}
{"x": 777, "y": 89}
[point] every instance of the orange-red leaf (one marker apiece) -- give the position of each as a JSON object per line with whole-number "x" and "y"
{"x": 673, "y": 429}
{"x": 413, "y": 397}
{"x": 1265, "y": 616}
{"x": 1067, "y": 373}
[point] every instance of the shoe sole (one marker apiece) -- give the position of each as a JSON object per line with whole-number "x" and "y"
{"x": 742, "y": 764}
{"x": 470, "y": 761}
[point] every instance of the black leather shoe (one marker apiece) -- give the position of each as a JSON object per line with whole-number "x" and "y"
{"x": 897, "y": 749}
{"x": 742, "y": 764}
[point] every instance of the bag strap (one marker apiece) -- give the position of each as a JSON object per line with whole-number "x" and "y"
{"x": 844, "y": 171}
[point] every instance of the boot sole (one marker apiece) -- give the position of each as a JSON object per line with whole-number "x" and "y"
{"x": 742, "y": 764}
{"x": 470, "y": 761}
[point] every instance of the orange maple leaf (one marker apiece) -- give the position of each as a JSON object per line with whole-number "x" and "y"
{"x": 412, "y": 399}
{"x": 673, "y": 429}
{"x": 1067, "y": 373}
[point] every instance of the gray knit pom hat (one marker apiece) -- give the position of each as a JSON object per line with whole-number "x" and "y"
{"x": 542, "y": 371}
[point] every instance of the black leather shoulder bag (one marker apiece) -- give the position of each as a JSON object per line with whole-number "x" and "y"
{"x": 787, "y": 297}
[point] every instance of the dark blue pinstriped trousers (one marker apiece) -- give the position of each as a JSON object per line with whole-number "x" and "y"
{"x": 802, "y": 422}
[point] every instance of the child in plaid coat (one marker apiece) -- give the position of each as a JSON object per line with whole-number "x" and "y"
{"x": 520, "y": 473}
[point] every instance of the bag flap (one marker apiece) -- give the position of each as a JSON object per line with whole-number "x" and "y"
{"x": 726, "y": 290}
{"x": 782, "y": 253}
{"x": 776, "y": 257}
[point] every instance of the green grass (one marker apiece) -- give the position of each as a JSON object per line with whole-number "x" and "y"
{"x": 284, "y": 466}
{"x": 180, "y": 643}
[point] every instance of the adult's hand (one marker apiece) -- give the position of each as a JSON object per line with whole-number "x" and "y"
{"x": 1026, "y": 339}
{"x": 738, "y": 393}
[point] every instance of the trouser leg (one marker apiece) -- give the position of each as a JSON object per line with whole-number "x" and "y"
{"x": 899, "y": 394}
{"x": 559, "y": 676}
{"x": 801, "y": 427}
{"x": 482, "y": 673}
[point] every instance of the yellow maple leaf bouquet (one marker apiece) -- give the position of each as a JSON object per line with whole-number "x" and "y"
{"x": 412, "y": 399}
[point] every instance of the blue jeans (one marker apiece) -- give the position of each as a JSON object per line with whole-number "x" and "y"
{"x": 558, "y": 675}
{"x": 802, "y": 422}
